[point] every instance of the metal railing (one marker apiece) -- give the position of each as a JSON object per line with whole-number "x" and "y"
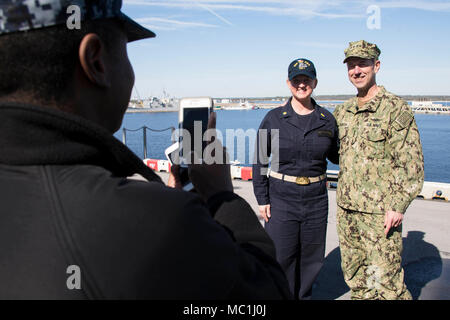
{"x": 144, "y": 135}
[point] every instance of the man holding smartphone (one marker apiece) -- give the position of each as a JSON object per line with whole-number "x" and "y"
{"x": 67, "y": 200}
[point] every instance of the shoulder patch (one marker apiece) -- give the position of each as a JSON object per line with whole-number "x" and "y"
{"x": 403, "y": 120}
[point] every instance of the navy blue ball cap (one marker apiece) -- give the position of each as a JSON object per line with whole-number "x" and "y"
{"x": 24, "y": 15}
{"x": 302, "y": 67}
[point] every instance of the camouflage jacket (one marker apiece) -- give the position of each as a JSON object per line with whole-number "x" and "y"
{"x": 380, "y": 155}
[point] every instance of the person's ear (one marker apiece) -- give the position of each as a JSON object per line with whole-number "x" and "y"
{"x": 315, "y": 83}
{"x": 92, "y": 55}
{"x": 377, "y": 65}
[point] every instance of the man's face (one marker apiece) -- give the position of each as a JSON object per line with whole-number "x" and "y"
{"x": 122, "y": 82}
{"x": 302, "y": 86}
{"x": 362, "y": 72}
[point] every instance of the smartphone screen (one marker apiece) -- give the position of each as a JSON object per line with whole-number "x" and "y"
{"x": 195, "y": 117}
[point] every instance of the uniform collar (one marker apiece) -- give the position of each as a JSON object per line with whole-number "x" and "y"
{"x": 370, "y": 106}
{"x": 288, "y": 110}
{"x": 319, "y": 117}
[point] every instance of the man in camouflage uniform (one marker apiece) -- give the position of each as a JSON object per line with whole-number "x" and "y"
{"x": 381, "y": 172}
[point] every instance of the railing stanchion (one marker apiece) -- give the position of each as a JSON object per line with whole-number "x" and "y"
{"x": 145, "y": 142}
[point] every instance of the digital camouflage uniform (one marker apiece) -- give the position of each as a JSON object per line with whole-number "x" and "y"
{"x": 23, "y": 15}
{"x": 381, "y": 169}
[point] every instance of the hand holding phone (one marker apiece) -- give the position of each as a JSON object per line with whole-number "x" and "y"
{"x": 179, "y": 172}
{"x": 193, "y": 120}
{"x": 210, "y": 179}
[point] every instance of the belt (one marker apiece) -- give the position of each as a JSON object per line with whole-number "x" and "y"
{"x": 298, "y": 180}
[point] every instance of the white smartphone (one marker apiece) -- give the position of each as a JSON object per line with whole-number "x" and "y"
{"x": 173, "y": 155}
{"x": 193, "y": 117}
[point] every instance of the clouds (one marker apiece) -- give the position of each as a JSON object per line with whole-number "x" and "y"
{"x": 155, "y": 23}
{"x": 219, "y": 13}
{"x": 435, "y": 6}
{"x": 332, "y": 9}
{"x": 302, "y": 9}
{"x": 307, "y": 9}
{"x": 238, "y": 37}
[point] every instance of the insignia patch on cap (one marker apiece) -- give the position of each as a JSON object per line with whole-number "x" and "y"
{"x": 302, "y": 64}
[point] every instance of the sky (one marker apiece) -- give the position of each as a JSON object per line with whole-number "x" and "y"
{"x": 232, "y": 48}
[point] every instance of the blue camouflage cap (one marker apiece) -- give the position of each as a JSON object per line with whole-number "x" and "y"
{"x": 24, "y": 15}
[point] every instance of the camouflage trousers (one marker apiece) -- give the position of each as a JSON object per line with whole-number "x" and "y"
{"x": 370, "y": 261}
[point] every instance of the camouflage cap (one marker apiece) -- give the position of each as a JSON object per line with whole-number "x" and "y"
{"x": 24, "y": 15}
{"x": 362, "y": 49}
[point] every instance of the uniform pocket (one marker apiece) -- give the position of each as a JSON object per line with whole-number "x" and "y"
{"x": 373, "y": 143}
{"x": 318, "y": 146}
{"x": 315, "y": 228}
{"x": 278, "y": 189}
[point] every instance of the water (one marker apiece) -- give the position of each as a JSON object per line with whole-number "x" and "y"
{"x": 434, "y": 132}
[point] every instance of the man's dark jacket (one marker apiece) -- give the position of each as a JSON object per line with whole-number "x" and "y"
{"x": 65, "y": 200}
